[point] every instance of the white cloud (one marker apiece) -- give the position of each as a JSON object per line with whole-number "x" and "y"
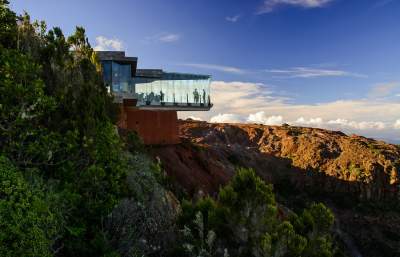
{"x": 233, "y": 19}
{"x": 169, "y": 38}
{"x": 363, "y": 125}
{"x": 216, "y": 67}
{"x": 307, "y": 72}
{"x": 270, "y": 5}
{"x": 397, "y": 124}
{"x": 340, "y": 123}
{"x": 257, "y": 103}
{"x": 296, "y": 72}
{"x": 261, "y": 118}
{"x": 194, "y": 118}
{"x": 312, "y": 121}
{"x": 163, "y": 38}
{"x": 226, "y": 118}
{"x": 108, "y": 44}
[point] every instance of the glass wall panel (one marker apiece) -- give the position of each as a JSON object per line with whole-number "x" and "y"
{"x": 192, "y": 92}
{"x": 106, "y": 66}
{"x": 121, "y": 78}
{"x": 170, "y": 89}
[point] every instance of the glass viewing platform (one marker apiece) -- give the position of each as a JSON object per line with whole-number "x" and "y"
{"x": 154, "y": 88}
{"x": 172, "y": 89}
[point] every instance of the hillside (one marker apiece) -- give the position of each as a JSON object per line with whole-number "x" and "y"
{"x": 356, "y": 176}
{"x": 73, "y": 183}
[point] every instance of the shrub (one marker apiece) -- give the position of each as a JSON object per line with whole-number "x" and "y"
{"x": 27, "y": 225}
{"x": 56, "y": 119}
{"x": 245, "y": 221}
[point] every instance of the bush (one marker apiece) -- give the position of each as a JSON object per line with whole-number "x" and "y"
{"x": 145, "y": 223}
{"x": 56, "y": 120}
{"x": 246, "y": 223}
{"x": 27, "y": 225}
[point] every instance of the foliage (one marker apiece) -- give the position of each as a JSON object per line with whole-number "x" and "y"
{"x": 199, "y": 242}
{"x": 27, "y": 225}
{"x": 68, "y": 187}
{"x": 294, "y": 131}
{"x": 374, "y": 148}
{"x": 7, "y": 25}
{"x": 56, "y": 120}
{"x": 133, "y": 141}
{"x": 246, "y": 223}
{"x": 144, "y": 223}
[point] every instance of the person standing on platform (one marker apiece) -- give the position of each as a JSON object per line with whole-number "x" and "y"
{"x": 196, "y": 96}
{"x": 161, "y": 96}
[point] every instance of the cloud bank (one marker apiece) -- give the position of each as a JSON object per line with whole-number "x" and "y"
{"x": 226, "y": 118}
{"x": 261, "y": 117}
{"x": 245, "y": 102}
{"x": 397, "y": 124}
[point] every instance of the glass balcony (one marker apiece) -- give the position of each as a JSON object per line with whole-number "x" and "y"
{"x": 155, "y": 89}
{"x": 187, "y": 90}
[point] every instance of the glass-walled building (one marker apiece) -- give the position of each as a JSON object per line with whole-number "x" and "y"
{"x": 154, "y": 88}
{"x": 172, "y": 89}
{"x": 118, "y": 71}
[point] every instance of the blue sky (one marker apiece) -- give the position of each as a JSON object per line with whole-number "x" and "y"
{"x": 326, "y": 63}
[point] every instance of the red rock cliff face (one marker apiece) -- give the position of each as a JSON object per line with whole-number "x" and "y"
{"x": 320, "y": 165}
{"x": 330, "y": 161}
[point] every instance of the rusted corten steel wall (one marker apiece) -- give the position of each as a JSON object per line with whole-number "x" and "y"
{"x": 154, "y": 127}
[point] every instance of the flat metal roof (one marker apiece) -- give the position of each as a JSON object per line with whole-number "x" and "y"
{"x": 149, "y": 73}
{"x": 115, "y": 56}
{"x": 180, "y": 107}
{"x": 119, "y": 56}
{"x": 162, "y": 75}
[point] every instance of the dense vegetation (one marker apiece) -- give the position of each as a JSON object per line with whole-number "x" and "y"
{"x": 244, "y": 221}
{"x": 57, "y": 138}
{"x": 71, "y": 186}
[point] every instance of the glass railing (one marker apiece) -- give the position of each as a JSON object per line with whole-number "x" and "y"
{"x": 155, "y": 87}
{"x": 173, "y": 92}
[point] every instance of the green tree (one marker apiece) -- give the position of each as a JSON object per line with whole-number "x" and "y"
{"x": 24, "y": 107}
{"x": 27, "y": 225}
{"x": 56, "y": 118}
{"x": 316, "y": 223}
{"x": 8, "y": 25}
{"x": 245, "y": 220}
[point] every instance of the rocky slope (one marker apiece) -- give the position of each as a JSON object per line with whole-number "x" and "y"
{"x": 356, "y": 176}
{"x": 339, "y": 163}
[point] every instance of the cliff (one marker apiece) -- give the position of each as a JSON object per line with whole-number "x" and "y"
{"x": 356, "y": 176}
{"x": 329, "y": 160}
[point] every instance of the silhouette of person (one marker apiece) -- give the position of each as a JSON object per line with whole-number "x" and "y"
{"x": 196, "y": 96}
{"x": 151, "y": 96}
{"x": 204, "y": 96}
{"x": 161, "y": 96}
